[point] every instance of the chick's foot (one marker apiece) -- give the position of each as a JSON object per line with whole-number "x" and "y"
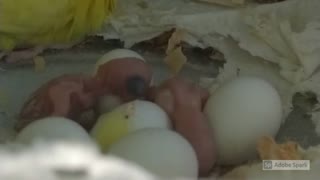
{"x": 23, "y": 56}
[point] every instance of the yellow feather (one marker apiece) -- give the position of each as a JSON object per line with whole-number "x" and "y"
{"x": 45, "y": 22}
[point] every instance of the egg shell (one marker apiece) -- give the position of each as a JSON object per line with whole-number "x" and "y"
{"x": 241, "y": 111}
{"x": 112, "y": 73}
{"x": 117, "y": 54}
{"x": 128, "y": 118}
{"x": 162, "y": 152}
{"x": 53, "y": 129}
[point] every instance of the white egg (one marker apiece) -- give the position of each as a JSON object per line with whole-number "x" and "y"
{"x": 147, "y": 114}
{"x": 160, "y": 151}
{"x": 53, "y": 129}
{"x": 240, "y": 112}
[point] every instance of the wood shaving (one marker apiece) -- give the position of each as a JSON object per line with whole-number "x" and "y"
{"x": 268, "y": 149}
{"x": 39, "y": 64}
{"x": 226, "y": 2}
{"x": 175, "y": 58}
{"x": 175, "y": 40}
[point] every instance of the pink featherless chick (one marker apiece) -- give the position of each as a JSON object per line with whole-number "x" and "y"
{"x": 184, "y": 102}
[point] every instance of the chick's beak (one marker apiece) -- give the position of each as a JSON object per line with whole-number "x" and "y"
{"x": 137, "y": 86}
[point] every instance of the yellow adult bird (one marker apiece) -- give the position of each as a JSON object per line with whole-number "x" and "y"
{"x": 44, "y": 23}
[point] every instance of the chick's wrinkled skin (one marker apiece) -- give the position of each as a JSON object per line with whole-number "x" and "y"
{"x": 65, "y": 96}
{"x": 127, "y": 78}
{"x": 71, "y": 95}
{"x": 184, "y": 102}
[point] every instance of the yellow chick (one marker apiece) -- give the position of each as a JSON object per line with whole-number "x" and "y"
{"x": 45, "y": 23}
